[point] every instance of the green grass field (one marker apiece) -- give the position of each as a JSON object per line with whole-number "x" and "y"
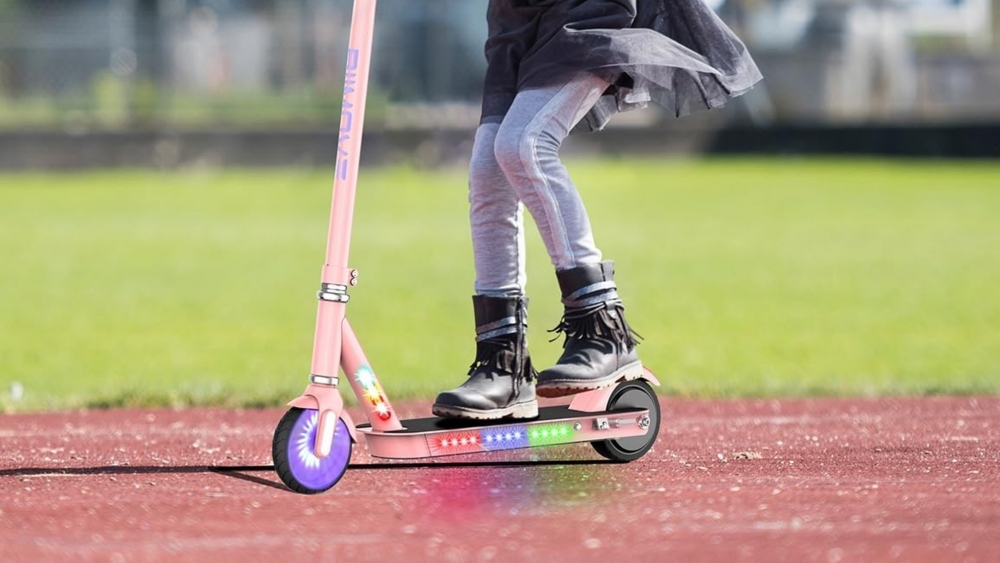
{"x": 746, "y": 277}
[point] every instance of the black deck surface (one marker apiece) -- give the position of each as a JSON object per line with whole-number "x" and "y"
{"x": 434, "y": 424}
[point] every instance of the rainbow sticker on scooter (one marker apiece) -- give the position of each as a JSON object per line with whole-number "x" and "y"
{"x": 373, "y": 394}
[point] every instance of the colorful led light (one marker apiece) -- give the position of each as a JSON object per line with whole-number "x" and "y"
{"x": 462, "y": 442}
{"x": 373, "y": 393}
{"x": 501, "y": 438}
{"x": 505, "y": 437}
{"x": 546, "y": 434}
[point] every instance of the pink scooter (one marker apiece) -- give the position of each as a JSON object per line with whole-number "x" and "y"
{"x": 313, "y": 442}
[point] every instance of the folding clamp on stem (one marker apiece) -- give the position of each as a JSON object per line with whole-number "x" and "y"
{"x": 324, "y": 380}
{"x": 334, "y": 292}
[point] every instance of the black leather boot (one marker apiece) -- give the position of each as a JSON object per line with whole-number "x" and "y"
{"x": 600, "y": 346}
{"x": 501, "y": 380}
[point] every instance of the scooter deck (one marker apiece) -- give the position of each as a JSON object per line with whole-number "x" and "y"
{"x": 435, "y": 436}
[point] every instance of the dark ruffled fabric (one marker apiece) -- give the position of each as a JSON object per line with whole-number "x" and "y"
{"x": 674, "y": 53}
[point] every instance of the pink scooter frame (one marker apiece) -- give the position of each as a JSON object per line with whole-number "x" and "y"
{"x": 336, "y": 346}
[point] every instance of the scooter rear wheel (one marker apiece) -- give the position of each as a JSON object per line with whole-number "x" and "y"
{"x": 631, "y": 394}
{"x": 297, "y": 464}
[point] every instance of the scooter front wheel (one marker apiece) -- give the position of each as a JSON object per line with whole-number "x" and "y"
{"x": 295, "y": 460}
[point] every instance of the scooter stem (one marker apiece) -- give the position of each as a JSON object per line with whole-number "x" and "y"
{"x": 336, "y": 276}
{"x": 352, "y": 120}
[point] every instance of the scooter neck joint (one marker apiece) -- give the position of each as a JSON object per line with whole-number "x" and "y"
{"x": 324, "y": 380}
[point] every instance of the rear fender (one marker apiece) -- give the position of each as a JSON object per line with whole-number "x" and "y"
{"x": 597, "y": 401}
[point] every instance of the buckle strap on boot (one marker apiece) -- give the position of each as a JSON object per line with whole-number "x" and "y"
{"x": 504, "y": 326}
{"x": 592, "y": 294}
{"x": 495, "y": 352}
{"x": 499, "y": 316}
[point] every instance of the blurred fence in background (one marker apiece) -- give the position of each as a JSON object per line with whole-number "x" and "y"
{"x": 196, "y": 64}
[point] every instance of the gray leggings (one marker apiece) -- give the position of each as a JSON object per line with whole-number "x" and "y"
{"x": 518, "y": 161}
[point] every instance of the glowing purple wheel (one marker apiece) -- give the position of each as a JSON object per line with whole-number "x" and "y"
{"x": 294, "y": 460}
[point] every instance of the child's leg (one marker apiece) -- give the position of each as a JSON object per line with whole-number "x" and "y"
{"x": 527, "y": 150}
{"x": 600, "y": 347}
{"x": 501, "y": 379}
{"x": 496, "y": 215}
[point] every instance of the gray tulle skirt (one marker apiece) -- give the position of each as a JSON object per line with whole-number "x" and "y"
{"x": 674, "y": 53}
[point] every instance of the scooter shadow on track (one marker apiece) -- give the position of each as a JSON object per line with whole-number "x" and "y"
{"x": 124, "y": 470}
{"x": 230, "y": 469}
{"x": 242, "y": 473}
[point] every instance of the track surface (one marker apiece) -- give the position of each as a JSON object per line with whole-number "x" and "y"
{"x": 797, "y": 480}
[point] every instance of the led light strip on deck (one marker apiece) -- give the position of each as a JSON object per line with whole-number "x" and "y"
{"x": 502, "y": 438}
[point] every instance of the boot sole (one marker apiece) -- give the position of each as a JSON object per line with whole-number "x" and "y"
{"x": 518, "y": 411}
{"x": 563, "y": 388}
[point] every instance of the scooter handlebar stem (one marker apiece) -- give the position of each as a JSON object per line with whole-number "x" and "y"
{"x": 335, "y": 347}
{"x": 330, "y": 314}
{"x": 352, "y": 119}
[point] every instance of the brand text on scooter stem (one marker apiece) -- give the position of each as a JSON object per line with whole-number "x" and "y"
{"x": 347, "y": 113}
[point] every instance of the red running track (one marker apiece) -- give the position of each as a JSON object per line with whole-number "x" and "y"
{"x": 829, "y": 480}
